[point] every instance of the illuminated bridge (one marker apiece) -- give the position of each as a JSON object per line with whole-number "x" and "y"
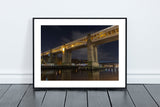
{"x": 91, "y": 41}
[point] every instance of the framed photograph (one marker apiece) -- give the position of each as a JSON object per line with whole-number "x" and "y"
{"x": 79, "y": 52}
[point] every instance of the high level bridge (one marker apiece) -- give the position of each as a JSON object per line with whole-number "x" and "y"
{"x": 91, "y": 41}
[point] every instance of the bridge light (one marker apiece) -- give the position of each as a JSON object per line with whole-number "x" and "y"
{"x": 63, "y": 50}
{"x": 72, "y": 45}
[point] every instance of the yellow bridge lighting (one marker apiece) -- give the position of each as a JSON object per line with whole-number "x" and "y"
{"x": 72, "y": 45}
{"x": 63, "y": 49}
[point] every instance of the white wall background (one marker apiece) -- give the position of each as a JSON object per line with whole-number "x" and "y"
{"x": 16, "y": 33}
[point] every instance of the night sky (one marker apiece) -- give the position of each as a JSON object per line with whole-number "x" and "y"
{"x": 53, "y": 36}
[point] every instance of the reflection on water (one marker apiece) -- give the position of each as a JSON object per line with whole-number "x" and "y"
{"x": 75, "y": 74}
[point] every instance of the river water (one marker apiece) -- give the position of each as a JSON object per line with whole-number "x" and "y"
{"x": 75, "y": 74}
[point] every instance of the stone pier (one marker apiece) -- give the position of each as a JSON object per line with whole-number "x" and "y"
{"x": 50, "y": 59}
{"x": 66, "y": 57}
{"x": 44, "y": 59}
{"x": 55, "y": 59}
{"x": 92, "y": 53}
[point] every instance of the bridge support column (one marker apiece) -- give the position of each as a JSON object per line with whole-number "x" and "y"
{"x": 50, "y": 59}
{"x": 44, "y": 59}
{"x": 69, "y": 57}
{"x": 63, "y": 57}
{"x": 96, "y": 56}
{"x": 92, "y": 53}
{"x": 66, "y": 58}
{"x": 55, "y": 59}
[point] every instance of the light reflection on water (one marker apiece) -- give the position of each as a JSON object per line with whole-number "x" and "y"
{"x": 75, "y": 74}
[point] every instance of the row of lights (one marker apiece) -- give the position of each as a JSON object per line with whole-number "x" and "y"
{"x": 63, "y": 49}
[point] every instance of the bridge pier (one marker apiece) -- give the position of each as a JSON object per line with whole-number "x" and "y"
{"x": 55, "y": 59}
{"x": 50, "y": 59}
{"x": 92, "y": 53}
{"x": 44, "y": 59}
{"x": 96, "y": 56}
{"x": 69, "y": 57}
{"x": 66, "y": 57}
{"x": 63, "y": 57}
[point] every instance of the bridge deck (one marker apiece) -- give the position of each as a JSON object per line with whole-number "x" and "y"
{"x": 134, "y": 96}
